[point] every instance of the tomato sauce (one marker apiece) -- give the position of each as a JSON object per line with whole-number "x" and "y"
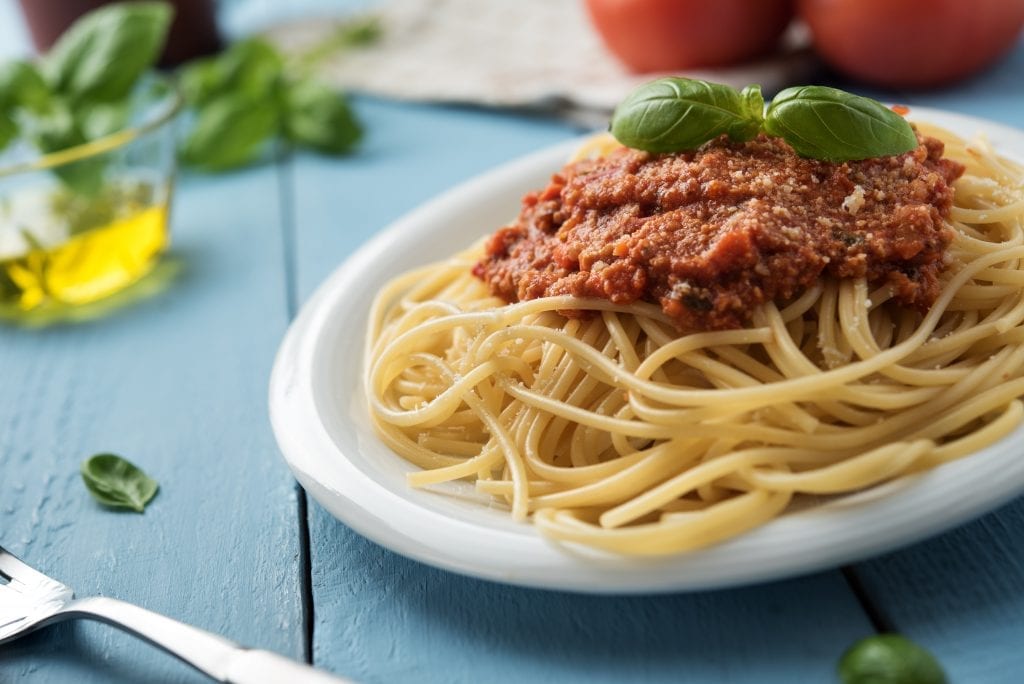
{"x": 710, "y": 234}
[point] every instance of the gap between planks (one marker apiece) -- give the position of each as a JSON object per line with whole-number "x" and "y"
{"x": 879, "y": 620}
{"x": 285, "y": 187}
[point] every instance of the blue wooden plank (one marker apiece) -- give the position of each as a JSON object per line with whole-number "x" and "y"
{"x": 177, "y": 383}
{"x": 380, "y": 617}
{"x": 961, "y": 595}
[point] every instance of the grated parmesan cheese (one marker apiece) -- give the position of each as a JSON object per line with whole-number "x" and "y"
{"x": 854, "y": 201}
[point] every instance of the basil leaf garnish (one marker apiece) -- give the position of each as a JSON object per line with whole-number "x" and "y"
{"x": 103, "y": 54}
{"x": 115, "y": 482}
{"x": 677, "y": 114}
{"x": 833, "y": 125}
{"x": 674, "y": 114}
{"x": 753, "y": 103}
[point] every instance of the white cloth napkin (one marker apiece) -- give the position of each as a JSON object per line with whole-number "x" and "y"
{"x": 508, "y": 53}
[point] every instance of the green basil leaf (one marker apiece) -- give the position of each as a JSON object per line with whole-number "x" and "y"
{"x": 230, "y": 131}
{"x": 8, "y": 129}
{"x": 889, "y": 658}
{"x": 58, "y": 130}
{"x": 200, "y": 80}
{"x": 99, "y": 119}
{"x": 319, "y": 117}
{"x": 250, "y": 68}
{"x": 22, "y": 85}
{"x": 115, "y": 482}
{"x": 830, "y": 124}
{"x": 102, "y": 55}
{"x": 675, "y": 114}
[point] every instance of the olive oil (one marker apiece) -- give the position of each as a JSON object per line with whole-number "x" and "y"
{"x": 71, "y": 250}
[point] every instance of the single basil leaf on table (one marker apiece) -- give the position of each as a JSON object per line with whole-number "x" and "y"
{"x": 833, "y": 125}
{"x": 889, "y": 659}
{"x": 230, "y": 131}
{"x": 21, "y": 85}
{"x": 102, "y": 55}
{"x": 116, "y": 482}
{"x": 319, "y": 117}
{"x": 250, "y": 68}
{"x": 676, "y": 114}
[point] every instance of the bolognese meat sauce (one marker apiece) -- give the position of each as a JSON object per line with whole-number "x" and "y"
{"x": 710, "y": 234}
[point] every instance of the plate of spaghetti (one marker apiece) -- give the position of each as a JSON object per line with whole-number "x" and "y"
{"x": 643, "y": 372}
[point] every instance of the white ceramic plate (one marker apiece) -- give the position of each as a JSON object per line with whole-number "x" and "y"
{"x": 321, "y": 424}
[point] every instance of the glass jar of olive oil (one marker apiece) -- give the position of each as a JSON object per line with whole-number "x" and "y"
{"x": 86, "y": 221}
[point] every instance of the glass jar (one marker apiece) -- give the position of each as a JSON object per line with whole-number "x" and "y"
{"x": 84, "y": 222}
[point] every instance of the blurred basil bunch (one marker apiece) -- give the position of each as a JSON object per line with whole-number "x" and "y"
{"x": 80, "y": 90}
{"x": 241, "y": 99}
{"x": 245, "y": 96}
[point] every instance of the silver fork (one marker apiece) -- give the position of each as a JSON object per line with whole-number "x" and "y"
{"x": 30, "y": 600}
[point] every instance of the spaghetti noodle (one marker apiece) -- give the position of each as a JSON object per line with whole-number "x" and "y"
{"x": 615, "y": 431}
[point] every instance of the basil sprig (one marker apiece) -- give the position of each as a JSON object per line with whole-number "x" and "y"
{"x": 21, "y": 85}
{"x": 118, "y": 483}
{"x": 320, "y": 118}
{"x": 246, "y": 97}
{"x": 677, "y": 114}
{"x": 241, "y": 100}
{"x": 80, "y": 89}
{"x": 230, "y": 132}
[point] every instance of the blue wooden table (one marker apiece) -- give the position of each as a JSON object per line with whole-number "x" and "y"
{"x": 178, "y": 383}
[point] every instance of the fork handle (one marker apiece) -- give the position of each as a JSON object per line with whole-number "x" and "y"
{"x": 215, "y": 656}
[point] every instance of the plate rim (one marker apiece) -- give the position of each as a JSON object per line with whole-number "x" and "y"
{"x": 367, "y": 506}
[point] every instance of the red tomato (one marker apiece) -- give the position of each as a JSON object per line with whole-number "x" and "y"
{"x": 666, "y": 35}
{"x": 912, "y": 43}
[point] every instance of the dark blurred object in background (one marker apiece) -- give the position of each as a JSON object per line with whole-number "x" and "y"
{"x": 912, "y": 43}
{"x": 669, "y": 35}
{"x": 193, "y": 33}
